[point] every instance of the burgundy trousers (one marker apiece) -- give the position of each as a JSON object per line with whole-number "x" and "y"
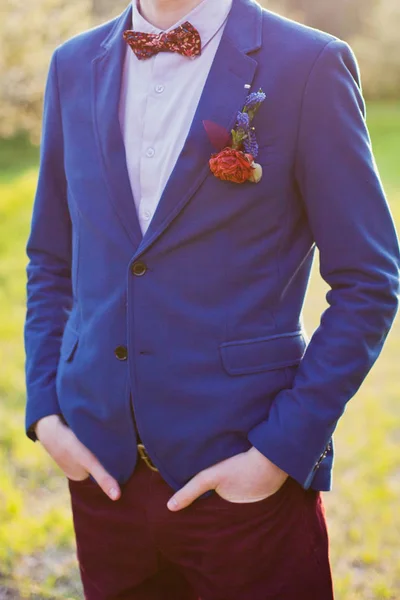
{"x": 214, "y": 549}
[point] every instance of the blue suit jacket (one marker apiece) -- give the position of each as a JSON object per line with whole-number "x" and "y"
{"x": 198, "y": 323}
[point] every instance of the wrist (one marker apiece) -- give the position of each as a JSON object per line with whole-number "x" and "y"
{"x": 256, "y": 454}
{"x": 45, "y": 423}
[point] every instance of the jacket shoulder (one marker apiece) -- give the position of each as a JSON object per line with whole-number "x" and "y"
{"x": 289, "y": 40}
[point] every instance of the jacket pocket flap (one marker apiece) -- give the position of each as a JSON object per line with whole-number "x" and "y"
{"x": 68, "y": 343}
{"x": 263, "y": 354}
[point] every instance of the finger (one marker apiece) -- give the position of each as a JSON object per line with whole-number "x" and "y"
{"x": 107, "y": 482}
{"x": 200, "y": 483}
{"x": 88, "y": 461}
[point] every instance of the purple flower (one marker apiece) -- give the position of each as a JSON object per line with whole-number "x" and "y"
{"x": 243, "y": 121}
{"x": 250, "y": 144}
{"x": 253, "y": 99}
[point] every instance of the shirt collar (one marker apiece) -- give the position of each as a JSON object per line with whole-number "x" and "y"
{"x": 207, "y": 17}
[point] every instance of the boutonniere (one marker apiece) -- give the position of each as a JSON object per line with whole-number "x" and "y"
{"x": 237, "y": 150}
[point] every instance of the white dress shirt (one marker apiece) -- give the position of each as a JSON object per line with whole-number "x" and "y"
{"x": 159, "y": 97}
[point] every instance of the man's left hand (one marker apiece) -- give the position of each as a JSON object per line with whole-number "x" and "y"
{"x": 245, "y": 477}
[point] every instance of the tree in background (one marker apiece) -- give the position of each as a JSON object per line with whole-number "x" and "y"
{"x": 342, "y": 18}
{"x": 378, "y": 51}
{"x": 101, "y": 8}
{"x": 29, "y": 32}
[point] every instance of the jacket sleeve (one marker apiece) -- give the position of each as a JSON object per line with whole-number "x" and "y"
{"x": 49, "y": 267}
{"x": 359, "y": 259}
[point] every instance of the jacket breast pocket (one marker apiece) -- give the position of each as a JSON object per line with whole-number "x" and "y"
{"x": 242, "y": 357}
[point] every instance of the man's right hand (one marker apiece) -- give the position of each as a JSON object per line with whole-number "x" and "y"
{"x": 72, "y": 456}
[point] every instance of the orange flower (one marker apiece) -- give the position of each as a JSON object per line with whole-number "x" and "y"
{"x": 232, "y": 165}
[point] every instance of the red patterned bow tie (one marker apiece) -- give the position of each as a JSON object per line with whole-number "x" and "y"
{"x": 184, "y": 39}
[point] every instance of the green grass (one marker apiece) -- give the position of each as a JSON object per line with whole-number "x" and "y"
{"x": 384, "y": 126}
{"x": 37, "y": 556}
{"x": 16, "y": 156}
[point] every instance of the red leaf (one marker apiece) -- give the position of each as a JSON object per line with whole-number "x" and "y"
{"x": 218, "y": 135}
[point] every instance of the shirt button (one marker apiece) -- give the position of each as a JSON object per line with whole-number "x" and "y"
{"x": 146, "y": 215}
{"x": 159, "y": 89}
{"x": 150, "y": 152}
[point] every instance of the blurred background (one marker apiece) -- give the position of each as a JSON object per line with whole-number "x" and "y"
{"x": 37, "y": 552}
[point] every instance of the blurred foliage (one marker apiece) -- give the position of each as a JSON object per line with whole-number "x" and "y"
{"x": 342, "y": 17}
{"x": 378, "y": 51}
{"x": 29, "y": 32}
{"x": 370, "y": 26}
{"x": 101, "y": 8}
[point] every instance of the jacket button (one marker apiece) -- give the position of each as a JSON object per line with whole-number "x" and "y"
{"x": 121, "y": 352}
{"x": 138, "y": 268}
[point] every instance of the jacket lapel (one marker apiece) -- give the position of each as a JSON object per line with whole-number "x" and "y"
{"x": 223, "y": 96}
{"x": 107, "y": 78}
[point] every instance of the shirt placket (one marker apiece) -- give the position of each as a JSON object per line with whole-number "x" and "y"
{"x": 151, "y": 154}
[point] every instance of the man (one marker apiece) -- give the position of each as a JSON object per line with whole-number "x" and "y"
{"x": 166, "y": 301}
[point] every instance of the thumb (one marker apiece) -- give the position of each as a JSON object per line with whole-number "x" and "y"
{"x": 200, "y": 483}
